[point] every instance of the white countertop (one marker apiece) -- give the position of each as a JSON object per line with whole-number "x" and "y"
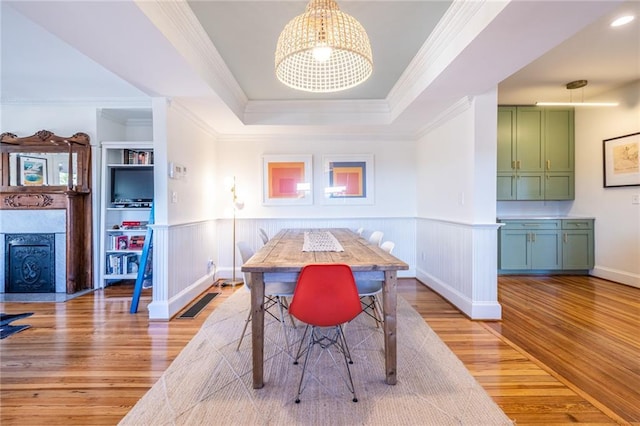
{"x": 540, "y": 217}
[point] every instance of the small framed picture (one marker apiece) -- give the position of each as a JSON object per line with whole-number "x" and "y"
{"x": 287, "y": 180}
{"x": 620, "y": 160}
{"x": 32, "y": 171}
{"x": 348, "y": 179}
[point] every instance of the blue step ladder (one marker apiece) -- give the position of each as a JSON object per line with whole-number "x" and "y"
{"x": 145, "y": 270}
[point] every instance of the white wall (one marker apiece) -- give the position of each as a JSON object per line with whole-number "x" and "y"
{"x": 456, "y": 235}
{"x": 184, "y": 233}
{"x": 617, "y": 224}
{"x": 617, "y": 220}
{"x": 394, "y": 176}
{"x": 25, "y": 120}
{"x": 392, "y": 212}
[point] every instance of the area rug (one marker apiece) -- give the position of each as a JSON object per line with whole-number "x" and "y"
{"x": 210, "y": 382}
{"x": 6, "y": 329}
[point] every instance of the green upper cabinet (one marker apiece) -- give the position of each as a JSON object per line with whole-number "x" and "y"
{"x": 506, "y": 138}
{"x": 559, "y": 154}
{"x": 530, "y": 140}
{"x": 535, "y": 153}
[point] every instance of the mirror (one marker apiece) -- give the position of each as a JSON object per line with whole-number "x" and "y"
{"x": 42, "y": 169}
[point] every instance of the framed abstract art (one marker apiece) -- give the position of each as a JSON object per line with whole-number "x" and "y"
{"x": 287, "y": 180}
{"x": 348, "y": 179}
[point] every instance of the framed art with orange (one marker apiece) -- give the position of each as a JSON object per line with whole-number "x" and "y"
{"x": 287, "y": 180}
{"x": 348, "y": 179}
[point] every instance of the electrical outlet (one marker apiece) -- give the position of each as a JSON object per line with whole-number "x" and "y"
{"x": 635, "y": 199}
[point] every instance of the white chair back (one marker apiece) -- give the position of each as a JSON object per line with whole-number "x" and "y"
{"x": 245, "y": 254}
{"x": 376, "y": 237}
{"x": 388, "y": 246}
{"x": 263, "y": 235}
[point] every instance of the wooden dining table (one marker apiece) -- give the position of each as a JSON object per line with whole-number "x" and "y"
{"x": 282, "y": 259}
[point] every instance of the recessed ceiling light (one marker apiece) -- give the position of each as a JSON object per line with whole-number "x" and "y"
{"x": 622, "y": 20}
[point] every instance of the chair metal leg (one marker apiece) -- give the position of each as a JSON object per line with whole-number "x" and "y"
{"x": 306, "y": 358}
{"x": 325, "y": 342}
{"x": 373, "y": 309}
{"x": 285, "y": 303}
{"x": 284, "y": 326}
{"x": 344, "y": 348}
{"x": 244, "y": 330}
{"x": 378, "y": 308}
{"x": 347, "y": 361}
{"x": 300, "y": 351}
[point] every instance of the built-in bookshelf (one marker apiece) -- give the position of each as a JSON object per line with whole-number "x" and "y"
{"x": 127, "y": 195}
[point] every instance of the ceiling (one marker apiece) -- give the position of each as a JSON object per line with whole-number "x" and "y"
{"x": 215, "y": 59}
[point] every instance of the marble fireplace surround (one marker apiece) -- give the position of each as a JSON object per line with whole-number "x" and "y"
{"x": 35, "y": 222}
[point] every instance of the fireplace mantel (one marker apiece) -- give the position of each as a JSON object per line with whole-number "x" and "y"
{"x": 24, "y": 189}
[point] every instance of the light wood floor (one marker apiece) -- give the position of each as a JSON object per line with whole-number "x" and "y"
{"x": 565, "y": 352}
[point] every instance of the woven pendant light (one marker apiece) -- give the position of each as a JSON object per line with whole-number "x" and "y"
{"x": 323, "y": 50}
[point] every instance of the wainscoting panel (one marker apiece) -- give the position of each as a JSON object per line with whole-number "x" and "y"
{"x": 183, "y": 265}
{"x": 459, "y": 261}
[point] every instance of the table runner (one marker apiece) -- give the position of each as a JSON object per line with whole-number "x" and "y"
{"x": 320, "y": 241}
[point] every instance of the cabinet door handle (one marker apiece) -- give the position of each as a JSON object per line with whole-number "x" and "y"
{"x": 531, "y": 225}
{"x": 513, "y": 164}
{"x": 533, "y": 237}
{"x": 518, "y": 164}
{"x": 548, "y": 164}
{"x": 565, "y": 238}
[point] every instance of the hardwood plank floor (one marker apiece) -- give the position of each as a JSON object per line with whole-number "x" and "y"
{"x": 585, "y": 330}
{"x": 88, "y": 361}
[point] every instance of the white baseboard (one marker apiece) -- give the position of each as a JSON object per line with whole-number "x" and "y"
{"x": 480, "y": 310}
{"x": 622, "y": 277}
{"x": 165, "y": 310}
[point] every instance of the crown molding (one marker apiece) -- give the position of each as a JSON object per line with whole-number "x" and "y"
{"x": 177, "y": 22}
{"x": 179, "y": 108}
{"x": 312, "y": 135}
{"x": 457, "y": 108}
{"x": 79, "y": 102}
{"x": 440, "y": 48}
{"x": 335, "y": 112}
{"x": 119, "y": 115}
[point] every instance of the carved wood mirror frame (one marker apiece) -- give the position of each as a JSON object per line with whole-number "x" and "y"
{"x": 74, "y": 198}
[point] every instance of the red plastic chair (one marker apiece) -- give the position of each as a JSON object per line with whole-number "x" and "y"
{"x": 325, "y": 296}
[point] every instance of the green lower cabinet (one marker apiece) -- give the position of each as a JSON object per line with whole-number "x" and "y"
{"x": 577, "y": 244}
{"x": 545, "y": 245}
{"x": 523, "y": 250}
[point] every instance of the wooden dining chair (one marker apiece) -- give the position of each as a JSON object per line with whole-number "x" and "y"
{"x": 325, "y": 298}
{"x": 275, "y": 293}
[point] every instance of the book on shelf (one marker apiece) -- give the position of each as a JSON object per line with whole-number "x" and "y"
{"x": 130, "y": 156}
{"x": 114, "y": 263}
{"x": 134, "y": 224}
{"x": 122, "y": 263}
{"x": 115, "y": 240}
{"x": 130, "y": 263}
{"x": 136, "y": 242}
{"x": 121, "y": 242}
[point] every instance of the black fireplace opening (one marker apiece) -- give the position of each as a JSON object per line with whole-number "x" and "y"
{"x": 30, "y": 263}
